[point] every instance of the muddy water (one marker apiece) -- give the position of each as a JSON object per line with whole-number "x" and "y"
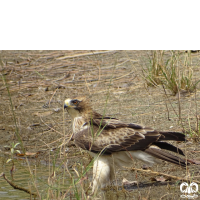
{"x": 42, "y": 179}
{"x": 22, "y": 178}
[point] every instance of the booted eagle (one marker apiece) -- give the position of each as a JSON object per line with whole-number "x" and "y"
{"x": 115, "y": 143}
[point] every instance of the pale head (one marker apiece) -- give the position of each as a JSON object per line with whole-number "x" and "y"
{"x": 77, "y": 107}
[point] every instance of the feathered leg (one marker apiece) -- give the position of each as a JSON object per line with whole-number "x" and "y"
{"x": 101, "y": 173}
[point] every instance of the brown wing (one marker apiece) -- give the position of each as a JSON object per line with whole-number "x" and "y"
{"x": 109, "y": 122}
{"x": 109, "y": 135}
{"x": 112, "y": 140}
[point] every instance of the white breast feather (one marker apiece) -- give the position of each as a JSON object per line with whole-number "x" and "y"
{"x": 79, "y": 124}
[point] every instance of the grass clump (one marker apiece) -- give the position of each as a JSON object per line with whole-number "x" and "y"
{"x": 153, "y": 73}
{"x": 174, "y": 71}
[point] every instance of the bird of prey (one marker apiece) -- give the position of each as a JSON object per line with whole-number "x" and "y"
{"x": 115, "y": 143}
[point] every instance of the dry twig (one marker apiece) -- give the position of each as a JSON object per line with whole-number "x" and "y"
{"x": 162, "y": 174}
{"x": 85, "y": 54}
{"x": 16, "y": 186}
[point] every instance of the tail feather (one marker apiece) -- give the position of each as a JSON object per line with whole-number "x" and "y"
{"x": 170, "y": 147}
{"x": 172, "y": 136}
{"x": 166, "y": 156}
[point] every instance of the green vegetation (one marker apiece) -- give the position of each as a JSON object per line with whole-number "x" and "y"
{"x": 12, "y": 151}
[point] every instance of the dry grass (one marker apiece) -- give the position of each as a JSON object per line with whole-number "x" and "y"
{"x": 175, "y": 73}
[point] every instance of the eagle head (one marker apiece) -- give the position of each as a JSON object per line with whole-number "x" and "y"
{"x": 77, "y": 107}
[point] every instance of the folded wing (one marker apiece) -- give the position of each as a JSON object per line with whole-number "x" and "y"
{"x": 108, "y": 135}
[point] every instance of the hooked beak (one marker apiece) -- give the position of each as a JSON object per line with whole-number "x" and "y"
{"x": 67, "y": 103}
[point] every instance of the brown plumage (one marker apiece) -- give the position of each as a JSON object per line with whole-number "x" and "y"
{"x": 111, "y": 138}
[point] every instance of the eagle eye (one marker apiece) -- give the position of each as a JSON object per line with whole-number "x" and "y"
{"x": 75, "y": 102}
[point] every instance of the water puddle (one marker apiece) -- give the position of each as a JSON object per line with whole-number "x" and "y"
{"x": 22, "y": 178}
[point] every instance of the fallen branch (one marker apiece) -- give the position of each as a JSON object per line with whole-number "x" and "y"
{"x": 162, "y": 174}
{"x": 17, "y": 187}
{"x": 85, "y": 54}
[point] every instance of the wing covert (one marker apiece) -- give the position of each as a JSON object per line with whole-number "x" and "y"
{"x": 113, "y": 140}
